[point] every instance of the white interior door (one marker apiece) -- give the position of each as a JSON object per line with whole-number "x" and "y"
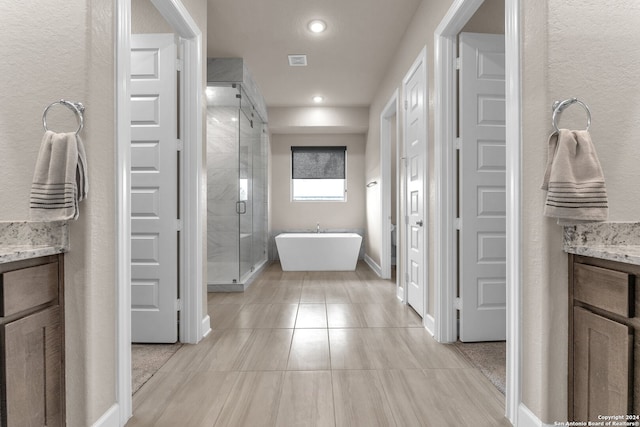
{"x": 482, "y": 188}
{"x": 154, "y": 189}
{"x": 414, "y": 89}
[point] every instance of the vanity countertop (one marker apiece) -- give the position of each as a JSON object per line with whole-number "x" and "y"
{"x": 23, "y": 239}
{"x": 614, "y": 241}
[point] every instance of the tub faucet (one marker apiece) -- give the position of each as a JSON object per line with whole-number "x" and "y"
{"x": 318, "y": 228}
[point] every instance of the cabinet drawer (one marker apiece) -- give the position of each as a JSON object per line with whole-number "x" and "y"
{"x": 28, "y": 287}
{"x": 609, "y": 290}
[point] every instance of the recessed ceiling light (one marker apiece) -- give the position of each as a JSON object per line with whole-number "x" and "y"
{"x": 317, "y": 26}
{"x": 318, "y": 99}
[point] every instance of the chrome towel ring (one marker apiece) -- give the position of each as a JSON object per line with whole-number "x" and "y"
{"x": 76, "y": 107}
{"x": 560, "y": 106}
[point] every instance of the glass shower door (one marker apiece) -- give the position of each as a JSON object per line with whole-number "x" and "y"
{"x": 223, "y": 185}
{"x": 259, "y": 193}
{"x": 245, "y": 187}
{"x": 237, "y": 186}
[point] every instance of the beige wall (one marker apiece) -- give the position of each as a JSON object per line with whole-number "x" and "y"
{"x": 489, "y": 18}
{"x": 67, "y": 50}
{"x": 587, "y": 50}
{"x": 289, "y": 215}
{"x": 145, "y": 19}
{"x": 318, "y": 120}
{"x": 418, "y": 34}
{"x": 53, "y": 51}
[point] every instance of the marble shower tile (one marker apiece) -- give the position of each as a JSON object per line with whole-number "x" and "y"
{"x": 221, "y": 208}
{"x": 222, "y": 160}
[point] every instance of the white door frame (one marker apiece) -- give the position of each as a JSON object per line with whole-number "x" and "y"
{"x": 390, "y": 109}
{"x": 445, "y": 114}
{"x": 193, "y": 326}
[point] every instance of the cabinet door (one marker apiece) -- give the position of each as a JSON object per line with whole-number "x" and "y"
{"x": 601, "y": 364}
{"x": 33, "y": 370}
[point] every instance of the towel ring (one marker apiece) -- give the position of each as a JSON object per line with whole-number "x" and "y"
{"x": 76, "y": 107}
{"x": 560, "y": 106}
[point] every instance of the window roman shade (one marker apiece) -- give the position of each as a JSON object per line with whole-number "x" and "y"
{"x": 318, "y": 162}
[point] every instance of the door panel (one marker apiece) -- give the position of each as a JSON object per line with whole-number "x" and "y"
{"x": 482, "y": 195}
{"x": 602, "y": 350}
{"x": 245, "y": 193}
{"x": 34, "y": 370}
{"x": 154, "y": 189}
{"x": 416, "y": 152}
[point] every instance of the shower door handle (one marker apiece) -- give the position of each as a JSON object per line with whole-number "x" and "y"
{"x": 241, "y": 207}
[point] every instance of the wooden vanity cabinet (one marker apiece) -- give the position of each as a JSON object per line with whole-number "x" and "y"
{"x": 604, "y": 335}
{"x": 32, "y": 389}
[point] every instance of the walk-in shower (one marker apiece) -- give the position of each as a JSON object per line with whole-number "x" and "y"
{"x": 237, "y": 153}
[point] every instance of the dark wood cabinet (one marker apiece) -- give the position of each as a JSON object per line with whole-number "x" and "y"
{"x": 601, "y": 365}
{"x": 32, "y": 343}
{"x": 604, "y": 359}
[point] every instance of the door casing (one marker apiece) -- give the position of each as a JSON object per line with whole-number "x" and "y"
{"x": 194, "y": 325}
{"x": 444, "y": 111}
{"x": 390, "y": 109}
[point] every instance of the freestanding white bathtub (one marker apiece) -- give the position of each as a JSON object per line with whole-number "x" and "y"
{"x": 318, "y": 251}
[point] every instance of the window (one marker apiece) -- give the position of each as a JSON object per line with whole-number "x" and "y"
{"x": 319, "y": 173}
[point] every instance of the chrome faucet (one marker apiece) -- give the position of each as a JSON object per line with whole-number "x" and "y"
{"x": 318, "y": 228}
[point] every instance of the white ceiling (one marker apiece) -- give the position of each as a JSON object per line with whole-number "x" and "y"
{"x": 346, "y": 62}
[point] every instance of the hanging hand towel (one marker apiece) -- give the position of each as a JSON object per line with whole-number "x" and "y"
{"x": 81, "y": 174}
{"x": 574, "y": 180}
{"x": 60, "y": 170}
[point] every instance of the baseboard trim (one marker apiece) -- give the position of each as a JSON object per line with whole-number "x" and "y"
{"x": 231, "y": 287}
{"x": 373, "y": 265}
{"x": 206, "y": 326}
{"x": 526, "y": 418}
{"x": 111, "y": 418}
{"x": 429, "y": 323}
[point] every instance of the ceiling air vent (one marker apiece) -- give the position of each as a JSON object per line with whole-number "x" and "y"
{"x": 298, "y": 60}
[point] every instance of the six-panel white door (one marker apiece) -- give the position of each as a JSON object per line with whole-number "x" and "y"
{"x": 154, "y": 189}
{"x": 414, "y": 89}
{"x": 482, "y": 254}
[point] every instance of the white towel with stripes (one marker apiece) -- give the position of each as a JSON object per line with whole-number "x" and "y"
{"x": 576, "y": 190}
{"x": 59, "y": 179}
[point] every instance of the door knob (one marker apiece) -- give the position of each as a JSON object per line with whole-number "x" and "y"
{"x": 419, "y": 223}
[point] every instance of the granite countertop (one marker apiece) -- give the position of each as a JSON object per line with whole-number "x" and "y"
{"x": 23, "y": 239}
{"x": 614, "y": 241}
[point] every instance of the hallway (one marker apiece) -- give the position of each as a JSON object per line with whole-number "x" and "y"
{"x": 317, "y": 349}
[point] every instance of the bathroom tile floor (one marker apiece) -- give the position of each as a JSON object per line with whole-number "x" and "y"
{"x": 317, "y": 349}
